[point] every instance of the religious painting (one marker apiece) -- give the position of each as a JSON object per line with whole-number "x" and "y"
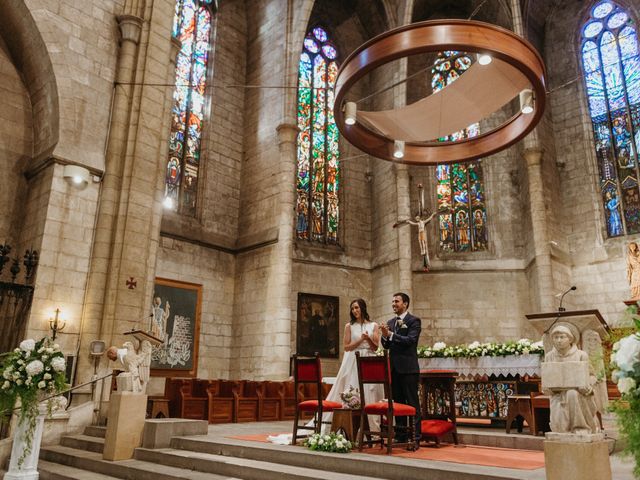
{"x": 175, "y": 319}
{"x": 318, "y": 325}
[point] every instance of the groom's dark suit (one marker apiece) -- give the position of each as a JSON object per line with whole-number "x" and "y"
{"x": 405, "y": 372}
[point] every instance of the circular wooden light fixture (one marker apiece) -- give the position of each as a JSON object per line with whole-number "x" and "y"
{"x": 516, "y": 64}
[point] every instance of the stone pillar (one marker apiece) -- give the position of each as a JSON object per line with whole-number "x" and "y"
{"x": 543, "y": 275}
{"x": 279, "y": 284}
{"x": 130, "y": 31}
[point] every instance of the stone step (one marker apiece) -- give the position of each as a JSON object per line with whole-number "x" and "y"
{"x": 57, "y": 471}
{"x": 355, "y": 464}
{"x": 95, "y": 431}
{"x": 127, "y": 469}
{"x": 242, "y": 467}
{"x": 83, "y": 442}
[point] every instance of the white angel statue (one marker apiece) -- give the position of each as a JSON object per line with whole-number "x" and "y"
{"x": 136, "y": 364}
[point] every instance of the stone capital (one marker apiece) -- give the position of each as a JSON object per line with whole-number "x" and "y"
{"x": 533, "y": 155}
{"x": 287, "y": 133}
{"x": 130, "y": 28}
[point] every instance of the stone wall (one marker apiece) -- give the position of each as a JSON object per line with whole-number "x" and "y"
{"x": 215, "y": 271}
{"x": 16, "y": 146}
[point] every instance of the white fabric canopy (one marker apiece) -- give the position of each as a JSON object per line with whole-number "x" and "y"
{"x": 468, "y": 368}
{"x": 477, "y": 93}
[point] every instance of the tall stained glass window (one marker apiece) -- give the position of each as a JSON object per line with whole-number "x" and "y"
{"x": 192, "y": 26}
{"x": 462, "y": 216}
{"x": 612, "y": 76}
{"x": 318, "y": 172}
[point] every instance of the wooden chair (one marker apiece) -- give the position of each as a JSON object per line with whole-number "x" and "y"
{"x": 248, "y": 401}
{"x": 289, "y": 400}
{"x": 194, "y": 401}
{"x": 223, "y": 401}
{"x": 376, "y": 370}
{"x": 271, "y": 401}
{"x": 309, "y": 371}
{"x": 519, "y": 409}
{"x": 438, "y": 409}
{"x": 540, "y": 413}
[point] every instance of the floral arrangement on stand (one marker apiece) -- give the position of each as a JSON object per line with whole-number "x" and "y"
{"x": 330, "y": 442}
{"x": 351, "y": 398}
{"x": 524, "y": 346}
{"x": 625, "y": 365}
{"x": 30, "y": 374}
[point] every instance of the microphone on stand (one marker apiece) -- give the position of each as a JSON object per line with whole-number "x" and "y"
{"x": 560, "y": 309}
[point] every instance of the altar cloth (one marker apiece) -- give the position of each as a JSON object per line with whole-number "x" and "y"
{"x": 469, "y": 368}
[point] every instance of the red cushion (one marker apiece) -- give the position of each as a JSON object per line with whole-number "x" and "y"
{"x": 312, "y": 405}
{"x": 435, "y": 428}
{"x": 381, "y": 408}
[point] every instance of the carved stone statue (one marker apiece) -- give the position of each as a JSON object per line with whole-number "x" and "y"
{"x": 573, "y": 406}
{"x": 633, "y": 270}
{"x": 136, "y": 364}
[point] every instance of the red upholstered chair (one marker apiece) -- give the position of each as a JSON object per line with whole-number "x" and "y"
{"x": 309, "y": 371}
{"x": 376, "y": 370}
{"x": 438, "y": 405}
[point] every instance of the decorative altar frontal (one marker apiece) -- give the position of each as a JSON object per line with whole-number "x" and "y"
{"x": 485, "y": 383}
{"x": 473, "y": 367}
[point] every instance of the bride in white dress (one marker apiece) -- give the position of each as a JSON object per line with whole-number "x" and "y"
{"x": 360, "y": 335}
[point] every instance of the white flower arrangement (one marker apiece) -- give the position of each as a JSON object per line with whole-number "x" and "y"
{"x": 351, "y": 397}
{"x": 524, "y": 346}
{"x": 331, "y": 442}
{"x": 31, "y": 372}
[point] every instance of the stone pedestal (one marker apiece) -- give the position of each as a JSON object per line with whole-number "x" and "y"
{"x": 584, "y": 457}
{"x": 25, "y": 467}
{"x": 125, "y": 424}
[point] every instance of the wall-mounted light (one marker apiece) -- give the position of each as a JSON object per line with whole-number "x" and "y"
{"x": 526, "y": 101}
{"x": 484, "y": 59}
{"x": 398, "y": 149}
{"x": 350, "y": 111}
{"x": 76, "y": 175}
{"x": 56, "y": 324}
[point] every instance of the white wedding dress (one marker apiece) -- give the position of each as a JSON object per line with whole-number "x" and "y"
{"x": 348, "y": 376}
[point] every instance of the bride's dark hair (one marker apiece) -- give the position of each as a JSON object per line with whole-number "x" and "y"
{"x": 363, "y": 310}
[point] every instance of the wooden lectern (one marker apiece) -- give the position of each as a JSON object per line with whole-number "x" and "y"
{"x": 583, "y": 320}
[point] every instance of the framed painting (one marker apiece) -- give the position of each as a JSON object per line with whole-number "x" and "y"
{"x": 318, "y": 325}
{"x": 175, "y": 319}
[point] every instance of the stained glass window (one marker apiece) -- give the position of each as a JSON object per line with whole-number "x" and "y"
{"x": 462, "y": 217}
{"x": 318, "y": 169}
{"x": 192, "y": 26}
{"x": 611, "y": 65}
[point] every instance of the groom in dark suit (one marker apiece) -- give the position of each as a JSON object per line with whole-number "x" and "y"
{"x": 400, "y": 335}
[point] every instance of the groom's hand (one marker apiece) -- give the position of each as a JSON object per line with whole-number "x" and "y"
{"x": 384, "y": 330}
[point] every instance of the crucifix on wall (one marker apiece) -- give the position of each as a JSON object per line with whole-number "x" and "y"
{"x": 422, "y": 219}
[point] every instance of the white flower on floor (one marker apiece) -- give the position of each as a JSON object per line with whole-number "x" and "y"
{"x": 27, "y": 345}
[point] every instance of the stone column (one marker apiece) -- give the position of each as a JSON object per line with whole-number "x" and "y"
{"x": 279, "y": 285}
{"x": 130, "y": 31}
{"x": 543, "y": 275}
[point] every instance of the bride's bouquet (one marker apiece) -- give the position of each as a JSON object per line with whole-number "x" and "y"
{"x": 351, "y": 397}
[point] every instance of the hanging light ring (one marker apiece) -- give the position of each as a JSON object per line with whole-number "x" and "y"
{"x": 437, "y": 36}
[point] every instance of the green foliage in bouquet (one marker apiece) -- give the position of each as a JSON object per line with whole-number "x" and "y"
{"x": 331, "y": 442}
{"x": 524, "y": 346}
{"x": 30, "y": 373}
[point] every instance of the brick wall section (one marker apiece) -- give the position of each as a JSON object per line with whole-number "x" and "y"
{"x": 16, "y": 147}
{"x": 598, "y": 263}
{"x": 81, "y": 40}
{"x": 215, "y": 271}
{"x": 60, "y": 224}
